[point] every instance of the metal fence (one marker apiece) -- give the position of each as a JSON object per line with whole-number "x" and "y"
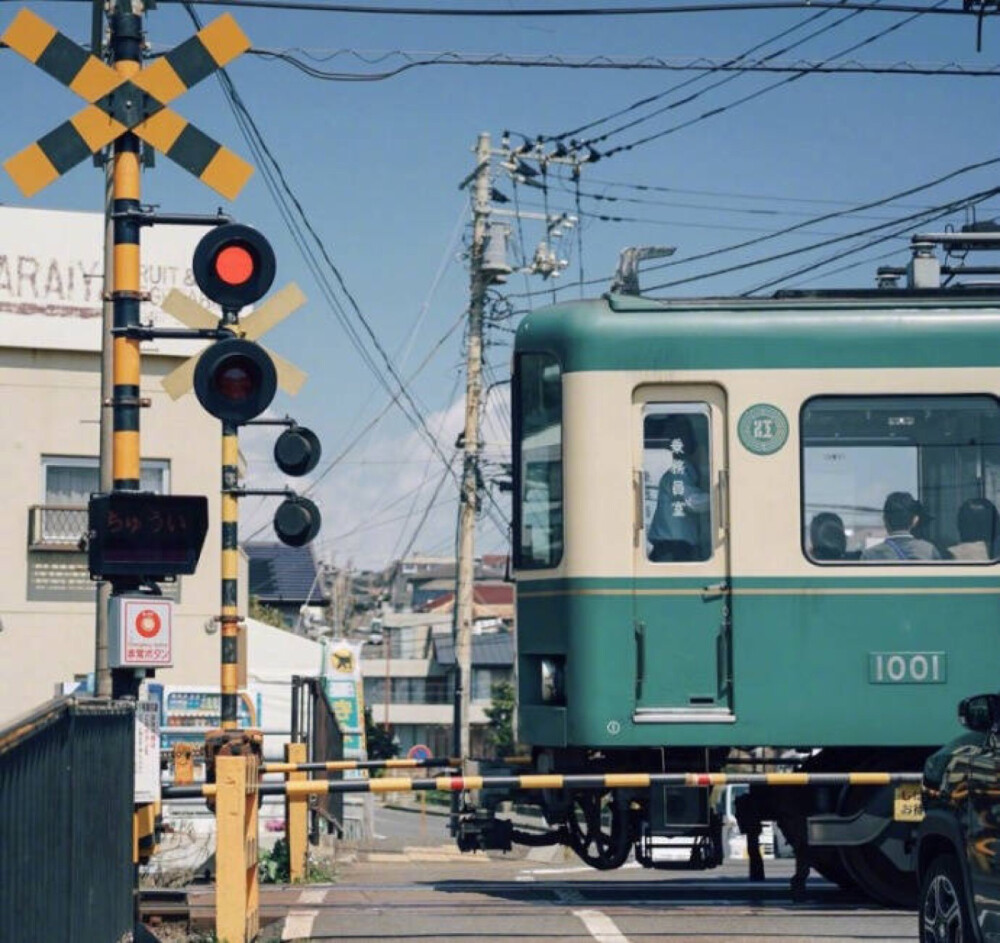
{"x": 66, "y": 793}
{"x": 314, "y": 723}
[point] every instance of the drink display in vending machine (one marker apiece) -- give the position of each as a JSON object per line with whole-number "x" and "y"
{"x": 188, "y": 711}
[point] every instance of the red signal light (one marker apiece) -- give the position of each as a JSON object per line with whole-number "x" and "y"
{"x": 235, "y": 380}
{"x": 234, "y": 264}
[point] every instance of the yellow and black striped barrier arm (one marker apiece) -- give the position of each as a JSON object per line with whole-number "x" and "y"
{"x": 556, "y": 781}
{"x": 333, "y": 766}
{"x": 120, "y": 102}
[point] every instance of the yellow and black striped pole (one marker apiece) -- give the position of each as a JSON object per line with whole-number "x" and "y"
{"x": 126, "y": 45}
{"x": 229, "y": 619}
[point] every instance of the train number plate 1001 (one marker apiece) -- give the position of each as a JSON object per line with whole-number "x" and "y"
{"x": 907, "y": 667}
{"x": 907, "y": 805}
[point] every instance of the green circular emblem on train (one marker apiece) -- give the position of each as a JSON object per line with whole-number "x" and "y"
{"x": 763, "y": 429}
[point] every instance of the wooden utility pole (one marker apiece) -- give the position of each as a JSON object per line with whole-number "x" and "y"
{"x": 469, "y": 496}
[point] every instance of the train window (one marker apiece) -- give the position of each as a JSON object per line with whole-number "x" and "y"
{"x": 538, "y": 511}
{"x": 677, "y": 476}
{"x": 901, "y": 479}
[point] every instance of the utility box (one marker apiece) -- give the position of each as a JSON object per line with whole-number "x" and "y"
{"x": 140, "y": 631}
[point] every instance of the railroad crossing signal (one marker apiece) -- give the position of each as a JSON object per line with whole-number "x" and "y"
{"x": 119, "y": 104}
{"x": 234, "y": 266}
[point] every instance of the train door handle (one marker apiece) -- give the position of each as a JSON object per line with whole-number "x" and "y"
{"x": 714, "y": 591}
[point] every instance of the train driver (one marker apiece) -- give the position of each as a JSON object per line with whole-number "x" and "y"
{"x": 679, "y": 529}
{"x": 901, "y": 514}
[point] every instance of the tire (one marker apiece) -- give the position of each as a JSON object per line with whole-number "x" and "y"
{"x": 944, "y": 913}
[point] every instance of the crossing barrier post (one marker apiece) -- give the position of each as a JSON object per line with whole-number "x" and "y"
{"x": 237, "y": 886}
{"x": 296, "y": 815}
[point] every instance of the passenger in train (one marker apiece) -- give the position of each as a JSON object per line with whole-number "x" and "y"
{"x": 826, "y": 537}
{"x": 978, "y": 530}
{"x": 901, "y": 514}
{"x": 679, "y": 529}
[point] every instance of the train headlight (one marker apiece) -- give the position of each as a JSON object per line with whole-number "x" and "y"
{"x": 553, "y": 678}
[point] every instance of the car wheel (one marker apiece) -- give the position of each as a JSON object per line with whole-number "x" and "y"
{"x": 944, "y": 916}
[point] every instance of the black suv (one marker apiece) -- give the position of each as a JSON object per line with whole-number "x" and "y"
{"x": 958, "y": 842}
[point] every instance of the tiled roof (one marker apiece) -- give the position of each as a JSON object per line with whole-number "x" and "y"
{"x": 492, "y": 649}
{"x": 283, "y": 574}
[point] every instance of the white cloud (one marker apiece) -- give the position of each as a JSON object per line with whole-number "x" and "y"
{"x": 374, "y": 498}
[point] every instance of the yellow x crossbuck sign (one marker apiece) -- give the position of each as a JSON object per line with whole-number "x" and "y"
{"x": 120, "y": 103}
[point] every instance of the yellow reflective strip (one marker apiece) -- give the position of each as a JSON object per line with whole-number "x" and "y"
{"x": 391, "y": 784}
{"x": 95, "y": 80}
{"x": 706, "y": 779}
{"x": 304, "y": 787}
{"x": 538, "y": 781}
{"x": 400, "y": 764}
{"x": 126, "y": 176}
{"x": 869, "y": 779}
{"x": 30, "y": 170}
{"x": 125, "y": 454}
{"x": 28, "y": 34}
{"x": 473, "y": 782}
{"x": 230, "y": 564}
{"x": 787, "y": 779}
{"x": 96, "y": 128}
{"x": 227, "y": 678}
{"x": 162, "y": 129}
{"x": 626, "y": 779}
{"x": 230, "y": 454}
{"x": 227, "y": 173}
{"x": 125, "y": 370}
{"x": 126, "y": 266}
{"x": 161, "y": 81}
{"x": 224, "y": 39}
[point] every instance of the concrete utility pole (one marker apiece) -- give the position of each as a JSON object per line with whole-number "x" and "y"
{"x": 469, "y": 496}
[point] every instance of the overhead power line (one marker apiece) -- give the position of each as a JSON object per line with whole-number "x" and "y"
{"x": 759, "y": 93}
{"x": 415, "y": 60}
{"x": 549, "y": 11}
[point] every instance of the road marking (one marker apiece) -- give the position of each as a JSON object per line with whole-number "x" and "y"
{"x": 601, "y": 927}
{"x": 312, "y": 897}
{"x": 299, "y": 924}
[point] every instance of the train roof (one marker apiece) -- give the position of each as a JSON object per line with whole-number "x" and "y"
{"x": 801, "y": 329}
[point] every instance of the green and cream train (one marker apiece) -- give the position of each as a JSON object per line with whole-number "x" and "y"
{"x": 755, "y": 531}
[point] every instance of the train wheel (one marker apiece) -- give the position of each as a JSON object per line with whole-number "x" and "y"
{"x": 827, "y": 862}
{"x": 871, "y": 866}
{"x": 598, "y": 829}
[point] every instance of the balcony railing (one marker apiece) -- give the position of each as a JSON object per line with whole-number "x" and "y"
{"x": 56, "y": 527}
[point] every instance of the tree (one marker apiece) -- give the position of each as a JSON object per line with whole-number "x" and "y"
{"x": 265, "y": 613}
{"x": 381, "y": 743}
{"x": 500, "y": 713}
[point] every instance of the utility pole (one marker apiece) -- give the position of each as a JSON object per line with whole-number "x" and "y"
{"x": 469, "y": 496}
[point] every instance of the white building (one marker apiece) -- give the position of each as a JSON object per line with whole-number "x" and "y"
{"x": 50, "y": 336}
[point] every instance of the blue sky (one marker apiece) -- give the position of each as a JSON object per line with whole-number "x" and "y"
{"x": 377, "y": 164}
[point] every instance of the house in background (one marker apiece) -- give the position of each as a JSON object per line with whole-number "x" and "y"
{"x": 409, "y": 668}
{"x": 285, "y": 579}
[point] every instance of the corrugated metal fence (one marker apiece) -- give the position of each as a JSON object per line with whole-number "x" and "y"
{"x": 314, "y": 723}
{"x": 66, "y": 790}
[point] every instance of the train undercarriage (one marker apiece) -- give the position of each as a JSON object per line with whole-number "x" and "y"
{"x": 858, "y": 836}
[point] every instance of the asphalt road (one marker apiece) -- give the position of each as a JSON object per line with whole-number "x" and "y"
{"x": 412, "y": 884}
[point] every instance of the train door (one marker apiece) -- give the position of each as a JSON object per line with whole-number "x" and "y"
{"x": 681, "y": 556}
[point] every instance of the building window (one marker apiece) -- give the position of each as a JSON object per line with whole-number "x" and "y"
{"x": 901, "y": 479}
{"x": 483, "y": 680}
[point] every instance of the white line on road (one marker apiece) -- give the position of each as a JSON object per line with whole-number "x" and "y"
{"x": 299, "y": 924}
{"x": 601, "y": 927}
{"x": 312, "y": 897}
